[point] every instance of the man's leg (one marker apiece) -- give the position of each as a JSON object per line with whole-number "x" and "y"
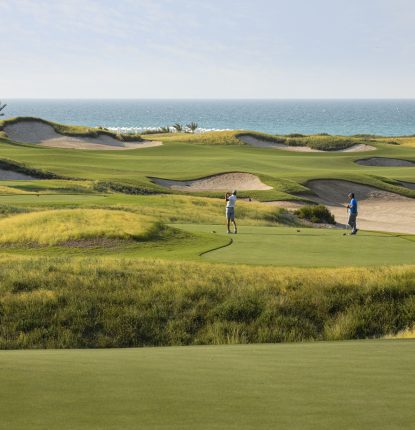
{"x": 354, "y": 231}
{"x": 352, "y": 223}
{"x": 234, "y": 226}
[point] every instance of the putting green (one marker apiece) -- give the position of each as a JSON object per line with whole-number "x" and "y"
{"x": 338, "y": 385}
{"x": 306, "y": 247}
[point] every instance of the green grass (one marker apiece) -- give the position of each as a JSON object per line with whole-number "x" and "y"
{"x": 98, "y": 232}
{"x": 167, "y": 208}
{"x": 353, "y": 385}
{"x": 282, "y": 246}
{"x": 181, "y": 157}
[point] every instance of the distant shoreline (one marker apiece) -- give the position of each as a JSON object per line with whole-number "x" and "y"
{"x": 388, "y": 117}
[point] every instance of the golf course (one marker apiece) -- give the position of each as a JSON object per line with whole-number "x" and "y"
{"x": 113, "y": 244}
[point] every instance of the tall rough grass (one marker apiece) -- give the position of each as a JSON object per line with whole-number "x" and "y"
{"x": 189, "y": 209}
{"x": 77, "y": 303}
{"x": 58, "y": 226}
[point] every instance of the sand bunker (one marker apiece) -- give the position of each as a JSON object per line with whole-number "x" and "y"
{"x": 409, "y": 185}
{"x": 43, "y": 134}
{"x": 9, "y": 175}
{"x": 378, "y": 210}
{"x": 222, "y": 182}
{"x": 259, "y": 143}
{"x": 385, "y": 162}
{"x": 288, "y": 204}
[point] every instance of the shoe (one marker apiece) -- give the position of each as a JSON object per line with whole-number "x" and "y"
{"x": 229, "y": 232}
{"x": 235, "y": 232}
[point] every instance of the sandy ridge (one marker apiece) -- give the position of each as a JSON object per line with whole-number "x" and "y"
{"x": 42, "y": 134}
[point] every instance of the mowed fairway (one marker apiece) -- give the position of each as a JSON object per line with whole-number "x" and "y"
{"x": 282, "y": 170}
{"x": 306, "y": 247}
{"x": 339, "y": 385}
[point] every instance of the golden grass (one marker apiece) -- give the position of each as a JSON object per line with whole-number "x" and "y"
{"x": 208, "y": 138}
{"x": 190, "y": 209}
{"x": 408, "y": 333}
{"x": 55, "y": 303}
{"x": 401, "y": 140}
{"x": 58, "y": 226}
{"x": 10, "y": 190}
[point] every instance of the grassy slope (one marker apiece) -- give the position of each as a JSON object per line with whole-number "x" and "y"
{"x": 52, "y": 227}
{"x": 364, "y": 385}
{"x": 92, "y": 301}
{"x": 98, "y": 232}
{"x": 282, "y": 170}
{"x": 165, "y": 207}
{"x": 127, "y": 233}
{"x": 283, "y": 246}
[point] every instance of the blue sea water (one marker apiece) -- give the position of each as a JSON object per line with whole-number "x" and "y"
{"x": 385, "y": 117}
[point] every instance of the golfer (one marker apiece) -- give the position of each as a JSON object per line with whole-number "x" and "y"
{"x": 230, "y": 210}
{"x": 352, "y": 210}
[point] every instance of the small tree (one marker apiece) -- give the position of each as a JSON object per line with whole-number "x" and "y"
{"x": 1, "y": 108}
{"x": 192, "y": 126}
{"x": 178, "y": 127}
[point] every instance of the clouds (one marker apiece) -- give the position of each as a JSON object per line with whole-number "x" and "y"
{"x": 211, "y": 48}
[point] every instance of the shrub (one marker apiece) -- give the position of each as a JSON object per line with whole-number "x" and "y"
{"x": 318, "y": 214}
{"x": 295, "y": 135}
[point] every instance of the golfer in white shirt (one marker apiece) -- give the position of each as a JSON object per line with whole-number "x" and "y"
{"x": 230, "y": 210}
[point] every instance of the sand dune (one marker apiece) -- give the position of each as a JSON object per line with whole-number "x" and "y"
{"x": 43, "y": 134}
{"x": 385, "y": 162}
{"x": 259, "y": 143}
{"x": 378, "y": 209}
{"x": 221, "y": 182}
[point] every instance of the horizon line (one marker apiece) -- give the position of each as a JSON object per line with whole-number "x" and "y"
{"x": 210, "y": 98}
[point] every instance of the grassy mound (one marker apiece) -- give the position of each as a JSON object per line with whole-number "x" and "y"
{"x": 208, "y": 138}
{"x": 56, "y": 303}
{"x": 325, "y": 143}
{"x": 61, "y": 226}
{"x": 321, "y": 142}
{"x": 318, "y": 214}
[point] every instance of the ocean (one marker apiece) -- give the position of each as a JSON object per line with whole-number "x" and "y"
{"x": 384, "y": 117}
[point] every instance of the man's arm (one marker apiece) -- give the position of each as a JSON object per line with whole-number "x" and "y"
{"x": 227, "y": 196}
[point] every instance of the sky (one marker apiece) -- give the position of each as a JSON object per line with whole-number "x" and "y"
{"x": 207, "y": 49}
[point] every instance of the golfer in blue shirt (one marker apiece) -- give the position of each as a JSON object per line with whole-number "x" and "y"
{"x": 352, "y": 210}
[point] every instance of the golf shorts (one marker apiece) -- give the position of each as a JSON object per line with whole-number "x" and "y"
{"x": 230, "y": 213}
